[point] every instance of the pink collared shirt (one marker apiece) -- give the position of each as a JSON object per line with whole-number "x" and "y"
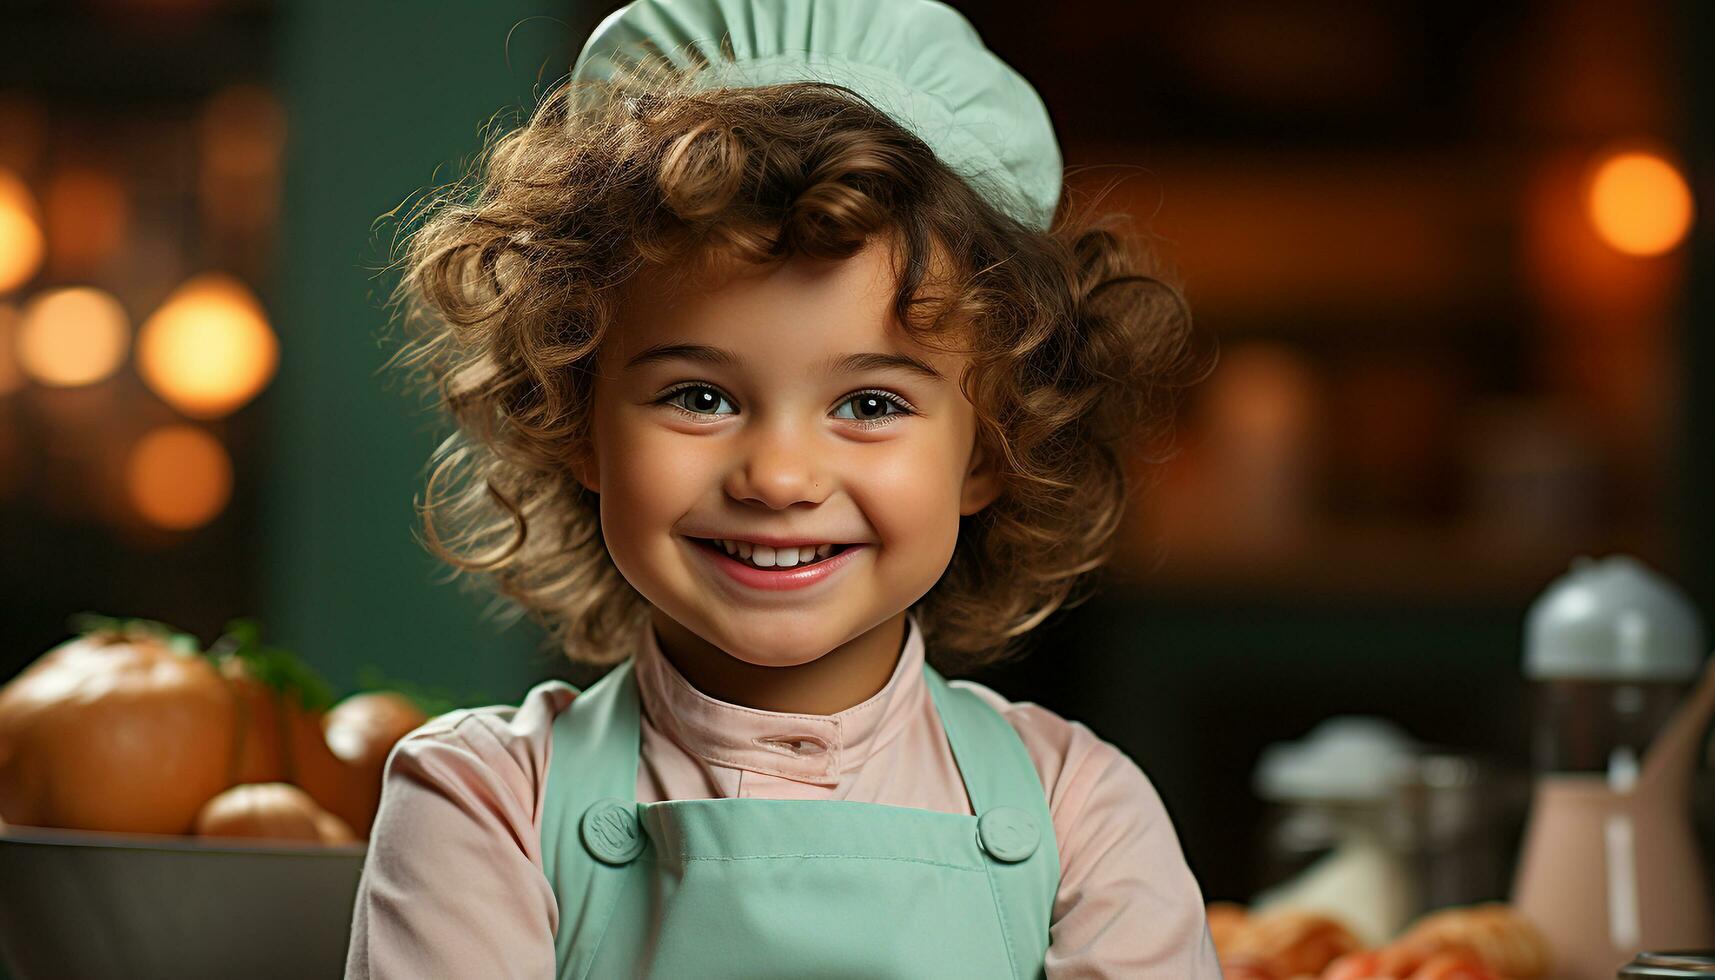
{"x": 453, "y": 883}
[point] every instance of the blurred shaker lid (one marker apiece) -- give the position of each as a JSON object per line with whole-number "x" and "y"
{"x": 1353, "y": 758}
{"x": 1613, "y": 619}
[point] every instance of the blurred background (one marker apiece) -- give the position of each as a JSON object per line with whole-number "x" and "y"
{"x": 1450, "y": 253}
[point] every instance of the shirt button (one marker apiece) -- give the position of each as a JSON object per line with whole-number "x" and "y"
{"x": 1008, "y": 834}
{"x": 611, "y": 831}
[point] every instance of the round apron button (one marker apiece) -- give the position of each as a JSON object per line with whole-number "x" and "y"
{"x": 611, "y": 831}
{"x": 1008, "y": 833}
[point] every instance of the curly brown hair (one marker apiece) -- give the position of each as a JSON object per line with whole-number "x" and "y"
{"x": 1077, "y": 352}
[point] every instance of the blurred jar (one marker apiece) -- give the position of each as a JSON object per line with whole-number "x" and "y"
{"x": 1329, "y": 842}
{"x": 1365, "y": 824}
{"x": 1459, "y": 819}
{"x": 1610, "y": 649}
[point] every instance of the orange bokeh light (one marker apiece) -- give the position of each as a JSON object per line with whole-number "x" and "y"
{"x": 243, "y": 133}
{"x": 209, "y": 348}
{"x": 11, "y": 379}
{"x": 74, "y": 336}
{"x": 178, "y": 477}
{"x": 21, "y": 241}
{"x": 87, "y": 214}
{"x": 242, "y": 137}
{"x": 1639, "y": 203}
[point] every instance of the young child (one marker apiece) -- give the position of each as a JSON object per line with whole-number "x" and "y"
{"x": 780, "y": 375}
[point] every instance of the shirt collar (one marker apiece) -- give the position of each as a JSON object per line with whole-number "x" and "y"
{"x": 805, "y": 748}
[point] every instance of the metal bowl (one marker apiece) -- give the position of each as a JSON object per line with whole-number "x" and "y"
{"x": 76, "y": 904}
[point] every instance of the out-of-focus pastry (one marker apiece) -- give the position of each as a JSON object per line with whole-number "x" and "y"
{"x": 1292, "y": 942}
{"x": 1410, "y": 962}
{"x": 1225, "y": 921}
{"x": 1453, "y": 965}
{"x": 1246, "y": 968}
{"x": 1360, "y": 965}
{"x": 1505, "y": 941}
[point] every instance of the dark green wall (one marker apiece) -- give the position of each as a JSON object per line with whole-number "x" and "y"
{"x": 384, "y": 101}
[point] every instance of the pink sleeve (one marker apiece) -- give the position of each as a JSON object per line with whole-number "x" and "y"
{"x": 1128, "y": 905}
{"x": 452, "y": 884}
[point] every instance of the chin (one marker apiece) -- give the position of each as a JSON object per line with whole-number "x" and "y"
{"x": 770, "y": 640}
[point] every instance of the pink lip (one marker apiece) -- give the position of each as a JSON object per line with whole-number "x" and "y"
{"x": 777, "y": 580}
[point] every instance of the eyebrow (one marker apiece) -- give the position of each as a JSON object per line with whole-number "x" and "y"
{"x": 840, "y": 364}
{"x": 682, "y": 352}
{"x": 854, "y": 363}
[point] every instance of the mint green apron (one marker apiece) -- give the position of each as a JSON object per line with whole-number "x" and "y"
{"x": 794, "y": 888}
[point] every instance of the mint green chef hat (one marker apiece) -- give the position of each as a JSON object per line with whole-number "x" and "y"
{"x": 919, "y": 61}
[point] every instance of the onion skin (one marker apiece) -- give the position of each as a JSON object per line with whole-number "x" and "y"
{"x": 330, "y": 782}
{"x": 260, "y": 747}
{"x": 114, "y": 731}
{"x": 281, "y": 741}
{"x": 271, "y": 811}
{"x": 361, "y": 731}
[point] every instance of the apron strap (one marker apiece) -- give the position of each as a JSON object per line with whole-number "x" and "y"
{"x": 1014, "y": 826}
{"x": 592, "y": 780}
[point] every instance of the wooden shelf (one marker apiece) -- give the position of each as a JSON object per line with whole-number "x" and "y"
{"x": 1377, "y": 560}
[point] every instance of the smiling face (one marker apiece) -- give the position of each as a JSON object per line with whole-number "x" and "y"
{"x": 781, "y": 407}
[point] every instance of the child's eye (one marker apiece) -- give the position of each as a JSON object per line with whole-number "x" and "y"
{"x": 699, "y": 400}
{"x": 872, "y": 406}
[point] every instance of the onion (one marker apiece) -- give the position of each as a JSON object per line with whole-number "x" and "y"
{"x": 125, "y": 728}
{"x": 271, "y": 811}
{"x": 361, "y": 731}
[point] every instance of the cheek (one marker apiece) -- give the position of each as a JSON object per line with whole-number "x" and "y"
{"x": 911, "y": 498}
{"x": 648, "y": 481}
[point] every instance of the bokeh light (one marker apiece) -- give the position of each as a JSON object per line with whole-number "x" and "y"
{"x": 23, "y": 132}
{"x": 243, "y": 132}
{"x": 11, "y": 379}
{"x": 179, "y": 477}
{"x": 21, "y": 241}
{"x": 73, "y": 336}
{"x": 242, "y": 137}
{"x": 87, "y": 214}
{"x": 1639, "y": 203}
{"x": 209, "y": 348}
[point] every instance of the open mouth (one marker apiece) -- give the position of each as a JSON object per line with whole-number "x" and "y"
{"x": 771, "y": 559}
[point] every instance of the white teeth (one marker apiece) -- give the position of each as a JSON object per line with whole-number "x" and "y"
{"x": 765, "y": 557}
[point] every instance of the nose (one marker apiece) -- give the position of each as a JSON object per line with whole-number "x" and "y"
{"x": 779, "y": 465}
